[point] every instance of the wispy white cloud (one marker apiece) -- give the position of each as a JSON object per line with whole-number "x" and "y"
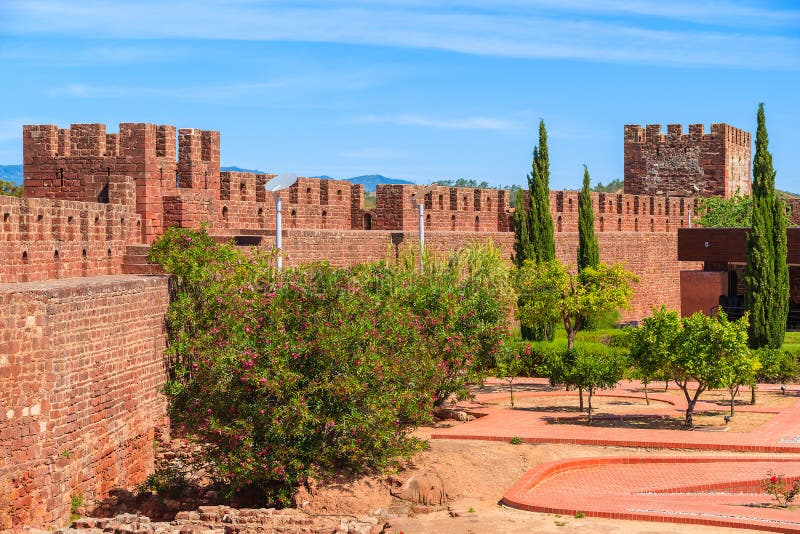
{"x": 223, "y": 91}
{"x": 11, "y": 128}
{"x": 724, "y": 34}
{"x": 92, "y": 55}
{"x": 463, "y": 123}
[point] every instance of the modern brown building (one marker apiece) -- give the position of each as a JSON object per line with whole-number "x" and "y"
{"x": 721, "y": 281}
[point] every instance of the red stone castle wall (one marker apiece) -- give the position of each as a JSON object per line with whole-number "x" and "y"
{"x": 697, "y": 164}
{"x": 81, "y": 372}
{"x": 653, "y": 257}
{"x": 42, "y": 239}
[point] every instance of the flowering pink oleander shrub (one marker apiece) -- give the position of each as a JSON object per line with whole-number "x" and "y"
{"x": 288, "y": 375}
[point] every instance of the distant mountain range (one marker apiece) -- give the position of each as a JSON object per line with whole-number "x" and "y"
{"x": 11, "y": 173}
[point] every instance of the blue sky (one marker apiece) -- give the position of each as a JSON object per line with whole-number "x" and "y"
{"x": 410, "y": 89}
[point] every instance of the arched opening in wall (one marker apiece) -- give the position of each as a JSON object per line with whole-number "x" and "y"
{"x": 465, "y": 203}
{"x": 628, "y": 207}
{"x": 338, "y": 195}
{"x": 453, "y": 223}
{"x": 477, "y": 224}
{"x": 569, "y": 205}
{"x": 558, "y": 224}
{"x": 619, "y": 224}
{"x": 108, "y": 253}
{"x": 489, "y": 204}
{"x": 260, "y": 215}
{"x": 367, "y": 221}
{"x": 602, "y": 224}
{"x": 225, "y": 213}
{"x": 428, "y": 220}
{"x": 667, "y": 225}
{"x": 242, "y": 191}
{"x": 441, "y": 202}
{"x": 293, "y": 219}
{"x": 84, "y": 254}
{"x": 652, "y": 225}
{"x": 6, "y": 217}
{"x": 681, "y": 223}
{"x": 56, "y": 255}
{"x": 636, "y": 224}
{"x": 308, "y": 195}
{"x": 324, "y": 219}
{"x": 24, "y": 256}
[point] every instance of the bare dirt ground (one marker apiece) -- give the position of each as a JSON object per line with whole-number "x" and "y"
{"x": 475, "y": 476}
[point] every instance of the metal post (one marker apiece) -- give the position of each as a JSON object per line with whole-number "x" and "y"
{"x": 278, "y": 230}
{"x": 421, "y": 209}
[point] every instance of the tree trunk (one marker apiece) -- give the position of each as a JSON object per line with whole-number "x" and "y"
{"x": 666, "y": 385}
{"x": 590, "y": 405}
{"x": 646, "y": 398}
{"x": 733, "y": 396}
{"x": 689, "y": 422}
{"x": 571, "y": 339}
{"x": 580, "y": 396}
{"x": 511, "y": 387}
{"x": 753, "y": 394}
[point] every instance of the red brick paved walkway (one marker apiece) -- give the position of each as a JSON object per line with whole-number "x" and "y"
{"x": 780, "y": 434}
{"x": 714, "y": 491}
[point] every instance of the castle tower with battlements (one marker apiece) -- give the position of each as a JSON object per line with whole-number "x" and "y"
{"x": 693, "y": 164}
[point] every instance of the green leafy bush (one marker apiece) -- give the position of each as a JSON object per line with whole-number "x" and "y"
{"x": 287, "y": 375}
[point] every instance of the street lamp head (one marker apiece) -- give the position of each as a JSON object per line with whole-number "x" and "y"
{"x": 416, "y": 197}
{"x": 282, "y": 181}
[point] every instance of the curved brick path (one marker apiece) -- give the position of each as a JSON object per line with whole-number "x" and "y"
{"x": 716, "y": 491}
{"x": 706, "y": 490}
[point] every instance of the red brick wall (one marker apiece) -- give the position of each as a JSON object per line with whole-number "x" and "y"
{"x": 653, "y": 257}
{"x": 700, "y": 290}
{"x": 79, "y": 163}
{"x": 622, "y": 212}
{"x": 677, "y": 164}
{"x": 42, "y": 239}
{"x": 446, "y": 209}
{"x": 81, "y": 367}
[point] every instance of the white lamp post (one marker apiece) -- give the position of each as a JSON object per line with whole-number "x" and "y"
{"x": 418, "y": 199}
{"x": 282, "y": 181}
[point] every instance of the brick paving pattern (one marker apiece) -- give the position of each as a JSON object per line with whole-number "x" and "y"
{"x": 717, "y": 490}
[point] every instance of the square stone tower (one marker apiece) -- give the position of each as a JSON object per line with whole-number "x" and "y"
{"x": 697, "y": 164}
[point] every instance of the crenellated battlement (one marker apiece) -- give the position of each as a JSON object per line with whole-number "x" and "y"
{"x": 652, "y": 133}
{"x": 620, "y": 212}
{"x": 446, "y": 208}
{"x": 694, "y": 164}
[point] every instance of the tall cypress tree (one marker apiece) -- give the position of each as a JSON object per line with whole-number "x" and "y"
{"x": 522, "y": 242}
{"x": 766, "y": 273}
{"x": 533, "y": 224}
{"x": 540, "y": 222}
{"x": 588, "y": 249}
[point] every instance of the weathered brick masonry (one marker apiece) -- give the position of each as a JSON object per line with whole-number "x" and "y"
{"x": 677, "y": 164}
{"x": 81, "y": 367}
{"x": 652, "y": 256}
